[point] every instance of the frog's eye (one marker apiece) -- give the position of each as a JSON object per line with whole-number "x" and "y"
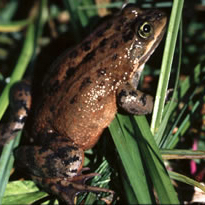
{"x": 145, "y": 30}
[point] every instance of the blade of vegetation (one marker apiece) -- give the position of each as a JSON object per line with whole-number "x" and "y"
{"x": 14, "y": 26}
{"x": 8, "y": 11}
{"x": 6, "y": 164}
{"x": 154, "y": 163}
{"x": 101, "y": 180}
{"x": 22, "y": 192}
{"x": 184, "y": 89}
{"x": 84, "y": 15}
{"x": 42, "y": 18}
{"x": 190, "y": 80}
{"x": 168, "y": 154}
{"x": 166, "y": 64}
{"x": 131, "y": 198}
{"x": 6, "y": 15}
{"x": 24, "y": 58}
{"x": 187, "y": 180}
{"x": 160, "y": 134}
{"x": 72, "y": 7}
{"x": 129, "y": 153}
{"x": 173, "y": 140}
{"x": 102, "y": 5}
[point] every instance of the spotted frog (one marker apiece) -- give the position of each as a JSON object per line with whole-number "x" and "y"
{"x": 79, "y": 99}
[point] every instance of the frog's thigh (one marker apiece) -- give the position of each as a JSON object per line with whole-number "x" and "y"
{"x": 20, "y": 102}
{"x": 48, "y": 162}
{"x": 134, "y": 101}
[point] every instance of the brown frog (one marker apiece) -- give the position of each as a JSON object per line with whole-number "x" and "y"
{"x": 80, "y": 97}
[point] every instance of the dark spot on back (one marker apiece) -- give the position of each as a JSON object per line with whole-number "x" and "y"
{"x": 122, "y": 20}
{"x": 103, "y": 42}
{"x": 114, "y": 44}
{"x": 100, "y": 33}
{"x": 74, "y": 99}
{"x": 129, "y": 25}
{"x": 86, "y": 81}
{"x": 54, "y": 87}
{"x": 70, "y": 72}
{"x": 42, "y": 150}
{"x": 52, "y": 108}
{"x": 86, "y": 46}
{"x": 88, "y": 57}
{"x": 127, "y": 36}
{"x": 73, "y": 54}
{"x": 118, "y": 28}
{"x": 114, "y": 57}
{"x": 108, "y": 25}
{"x": 103, "y": 30}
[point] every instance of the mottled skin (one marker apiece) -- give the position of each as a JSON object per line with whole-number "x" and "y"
{"x": 80, "y": 97}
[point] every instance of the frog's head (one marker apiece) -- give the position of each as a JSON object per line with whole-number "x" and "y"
{"x": 146, "y": 29}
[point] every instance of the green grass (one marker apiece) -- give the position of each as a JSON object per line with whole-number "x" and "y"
{"x": 139, "y": 142}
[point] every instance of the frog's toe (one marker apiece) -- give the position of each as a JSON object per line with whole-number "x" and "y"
{"x": 68, "y": 188}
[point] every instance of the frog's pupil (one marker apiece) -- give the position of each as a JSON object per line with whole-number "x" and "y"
{"x": 146, "y": 28}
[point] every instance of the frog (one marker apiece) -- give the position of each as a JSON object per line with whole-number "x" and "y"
{"x": 80, "y": 97}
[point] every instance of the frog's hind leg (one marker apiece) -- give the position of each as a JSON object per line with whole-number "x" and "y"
{"x": 57, "y": 167}
{"x": 20, "y": 101}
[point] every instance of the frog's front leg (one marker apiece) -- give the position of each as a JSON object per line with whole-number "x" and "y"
{"x": 57, "y": 167}
{"x": 20, "y": 101}
{"x": 134, "y": 101}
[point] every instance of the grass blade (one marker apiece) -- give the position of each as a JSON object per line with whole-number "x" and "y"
{"x": 166, "y": 64}
{"x": 14, "y": 26}
{"x": 187, "y": 180}
{"x": 182, "y": 154}
{"x": 155, "y": 164}
{"x": 130, "y": 156}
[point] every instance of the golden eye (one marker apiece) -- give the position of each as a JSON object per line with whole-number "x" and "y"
{"x": 145, "y": 30}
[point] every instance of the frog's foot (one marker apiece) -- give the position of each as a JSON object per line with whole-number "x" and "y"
{"x": 58, "y": 169}
{"x": 68, "y": 188}
{"x": 134, "y": 101}
{"x": 20, "y": 98}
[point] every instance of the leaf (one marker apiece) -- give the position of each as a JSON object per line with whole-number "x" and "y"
{"x": 22, "y": 192}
